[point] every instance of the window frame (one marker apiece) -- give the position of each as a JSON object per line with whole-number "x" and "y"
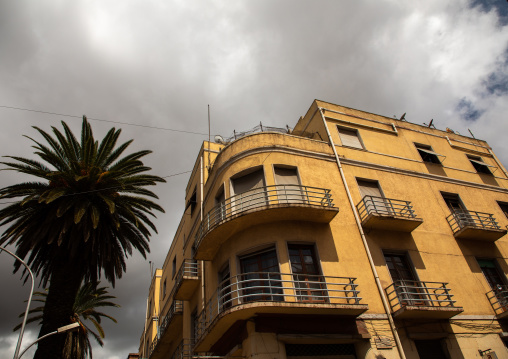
{"x": 357, "y": 134}
{"x": 479, "y": 165}
{"x": 428, "y": 152}
{"x": 503, "y": 205}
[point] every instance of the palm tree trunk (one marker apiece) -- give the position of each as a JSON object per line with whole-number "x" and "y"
{"x": 58, "y": 310}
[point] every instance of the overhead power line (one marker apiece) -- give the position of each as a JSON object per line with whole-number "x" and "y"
{"x": 100, "y": 190}
{"x": 101, "y": 120}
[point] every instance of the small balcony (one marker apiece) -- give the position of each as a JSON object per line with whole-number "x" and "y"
{"x": 387, "y": 214}
{"x": 169, "y": 326}
{"x": 183, "y": 350}
{"x": 186, "y": 280}
{"x": 261, "y": 205}
{"x": 475, "y": 225}
{"x": 244, "y": 296}
{"x": 498, "y": 298}
{"x": 421, "y": 300}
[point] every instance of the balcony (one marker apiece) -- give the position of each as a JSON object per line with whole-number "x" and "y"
{"x": 169, "y": 326}
{"x": 261, "y": 205}
{"x": 498, "y": 298}
{"x": 387, "y": 214}
{"x": 421, "y": 300}
{"x": 475, "y": 225}
{"x": 244, "y": 296}
{"x": 186, "y": 280}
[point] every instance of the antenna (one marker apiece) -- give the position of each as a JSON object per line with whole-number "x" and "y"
{"x": 471, "y": 133}
{"x": 219, "y": 139}
{"x": 209, "y": 162}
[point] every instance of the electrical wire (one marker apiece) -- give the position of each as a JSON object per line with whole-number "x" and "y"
{"x": 101, "y": 120}
{"x": 100, "y": 190}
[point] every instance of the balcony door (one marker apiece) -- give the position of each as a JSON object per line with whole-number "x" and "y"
{"x": 373, "y": 197}
{"x": 458, "y": 209}
{"x": 260, "y": 279}
{"x": 404, "y": 279}
{"x": 309, "y": 283}
{"x": 220, "y": 205}
{"x": 288, "y": 185}
{"x": 249, "y": 191}
{"x": 496, "y": 280}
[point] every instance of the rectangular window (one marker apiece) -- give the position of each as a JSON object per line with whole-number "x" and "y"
{"x": 406, "y": 284}
{"x": 288, "y": 185}
{"x": 309, "y": 283}
{"x": 431, "y": 349}
{"x": 164, "y": 287}
{"x": 192, "y": 202}
{"x": 249, "y": 190}
{"x": 427, "y": 154}
{"x": 458, "y": 209}
{"x": 479, "y": 165}
{"x": 504, "y": 208}
{"x": 350, "y": 137}
{"x": 373, "y": 198}
{"x": 220, "y": 204}
{"x": 260, "y": 276}
{"x": 492, "y": 273}
{"x": 173, "y": 268}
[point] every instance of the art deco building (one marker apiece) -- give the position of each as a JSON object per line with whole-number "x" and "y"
{"x": 353, "y": 235}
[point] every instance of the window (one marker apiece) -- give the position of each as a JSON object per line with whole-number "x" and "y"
{"x": 373, "y": 198}
{"x": 404, "y": 279}
{"x": 460, "y": 212}
{"x": 479, "y": 165}
{"x": 492, "y": 273}
{"x": 306, "y": 274}
{"x": 260, "y": 276}
{"x": 504, "y": 208}
{"x": 220, "y": 204}
{"x": 350, "y": 137}
{"x": 288, "y": 185}
{"x": 249, "y": 190}
{"x": 164, "y": 287}
{"x": 427, "y": 154}
{"x": 431, "y": 349}
{"x": 193, "y": 201}
{"x": 173, "y": 268}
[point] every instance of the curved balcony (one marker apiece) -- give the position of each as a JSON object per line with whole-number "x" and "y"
{"x": 475, "y": 225}
{"x": 169, "y": 326}
{"x": 411, "y": 299}
{"x": 498, "y": 298}
{"x": 261, "y": 205}
{"x": 387, "y": 214}
{"x": 247, "y": 295}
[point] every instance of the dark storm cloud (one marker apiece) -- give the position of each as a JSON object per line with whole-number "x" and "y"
{"x": 160, "y": 63}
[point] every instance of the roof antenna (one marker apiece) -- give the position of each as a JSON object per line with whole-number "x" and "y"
{"x": 471, "y": 133}
{"x": 151, "y": 270}
{"x": 430, "y": 124}
{"x": 209, "y": 167}
{"x": 403, "y": 117}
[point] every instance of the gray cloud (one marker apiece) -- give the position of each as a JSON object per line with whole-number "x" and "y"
{"x": 160, "y": 63}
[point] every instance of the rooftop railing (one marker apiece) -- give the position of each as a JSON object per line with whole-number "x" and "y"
{"x": 260, "y": 128}
{"x": 386, "y": 207}
{"x": 261, "y": 198}
{"x": 460, "y": 219}
{"x": 498, "y": 298}
{"x": 403, "y": 293}
{"x": 277, "y": 287}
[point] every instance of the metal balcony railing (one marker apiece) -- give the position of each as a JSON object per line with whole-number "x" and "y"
{"x": 189, "y": 268}
{"x": 460, "y": 219}
{"x": 277, "y": 287}
{"x": 176, "y": 308}
{"x": 260, "y": 128}
{"x": 498, "y": 298}
{"x": 403, "y": 293}
{"x": 260, "y": 198}
{"x": 385, "y": 207}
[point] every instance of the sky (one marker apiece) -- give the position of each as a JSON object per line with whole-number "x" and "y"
{"x": 152, "y": 67}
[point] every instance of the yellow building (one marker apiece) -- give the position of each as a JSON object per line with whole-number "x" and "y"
{"x": 353, "y": 235}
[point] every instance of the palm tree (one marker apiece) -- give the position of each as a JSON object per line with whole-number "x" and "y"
{"x": 83, "y": 217}
{"x": 89, "y": 298}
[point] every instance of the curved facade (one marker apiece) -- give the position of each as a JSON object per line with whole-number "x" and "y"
{"x": 352, "y": 236}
